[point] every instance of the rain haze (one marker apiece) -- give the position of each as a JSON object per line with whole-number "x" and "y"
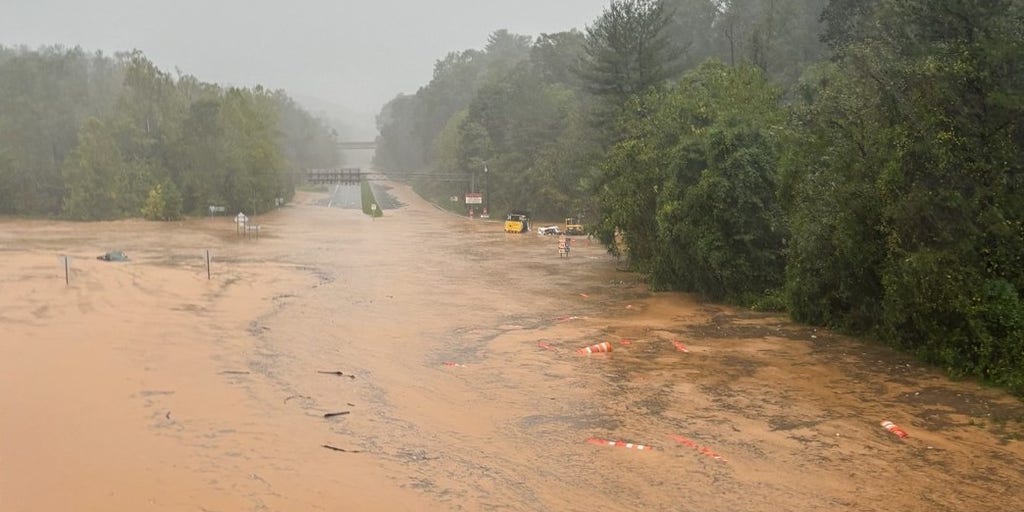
{"x": 569, "y": 270}
{"x": 341, "y": 57}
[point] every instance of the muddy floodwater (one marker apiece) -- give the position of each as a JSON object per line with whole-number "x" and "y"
{"x": 424, "y": 361}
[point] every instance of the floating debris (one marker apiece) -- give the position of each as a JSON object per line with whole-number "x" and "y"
{"x": 547, "y": 346}
{"x": 619, "y": 444}
{"x": 702, "y": 449}
{"x": 339, "y": 374}
{"x": 335, "y": 448}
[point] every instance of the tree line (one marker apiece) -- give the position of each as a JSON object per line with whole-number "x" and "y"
{"x": 858, "y": 163}
{"x": 94, "y": 137}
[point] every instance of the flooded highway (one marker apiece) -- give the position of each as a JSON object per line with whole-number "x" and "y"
{"x": 424, "y": 361}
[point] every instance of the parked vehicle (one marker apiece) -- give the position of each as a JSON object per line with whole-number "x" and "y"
{"x": 573, "y": 226}
{"x": 517, "y": 222}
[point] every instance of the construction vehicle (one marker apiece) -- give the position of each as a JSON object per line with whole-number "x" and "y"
{"x": 517, "y": 222}
{"x": 573, "y": 226}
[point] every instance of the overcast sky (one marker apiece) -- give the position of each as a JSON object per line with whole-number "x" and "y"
{"x": 353, "y": 54}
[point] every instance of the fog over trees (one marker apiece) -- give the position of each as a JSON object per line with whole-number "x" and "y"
{"x": 87, "y": 136}
{"x": 855, "y": 162}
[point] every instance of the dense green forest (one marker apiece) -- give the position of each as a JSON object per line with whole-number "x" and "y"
{"x": 89, "y": 137}
{"x": 859, "y": 163}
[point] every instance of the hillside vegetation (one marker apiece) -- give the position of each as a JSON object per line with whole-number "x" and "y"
{"x": 859, "y": 163}
{"x": 92, "y": 137}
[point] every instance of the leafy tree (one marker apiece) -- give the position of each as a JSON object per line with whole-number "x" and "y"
{"x": 782, "y": 37}
{"x": 523, "y": 118}
{"x": 556, "y": 57}
{"x": 201, "y": 161}
{"x": 6, "y": 192}
{"x": 691, "y": 190}
{"x": 148, "y": 111}
{"x": 519, "y": 98}
{"x": 162, "y": 203}
{"x": 837, "y": 245}
{"x": 409, "y": 124}
{"x": 253, "y": 159}
{"x": 89, "y": 172}
{"x": 847, "y": 22}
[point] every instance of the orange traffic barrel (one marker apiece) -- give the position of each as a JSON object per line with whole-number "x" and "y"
{"x": 604, "y": 346}
{"x": 897, "y": 431}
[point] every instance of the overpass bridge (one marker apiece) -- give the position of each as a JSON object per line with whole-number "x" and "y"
{"x": 357, "y": 145}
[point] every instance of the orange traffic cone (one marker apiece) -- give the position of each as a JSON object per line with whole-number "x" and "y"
{"x": 897, "y": 431}
{"x": 604, "y": 346}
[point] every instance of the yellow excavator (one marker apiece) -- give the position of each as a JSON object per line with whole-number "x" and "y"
{"x": 573, "y": 226}
{"x": 517, "y": 222}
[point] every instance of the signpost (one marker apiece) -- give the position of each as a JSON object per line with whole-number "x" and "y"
{"x": 373, "y": 210}
{"x": 66, "y": 261}
{"x": 473, "y": 198}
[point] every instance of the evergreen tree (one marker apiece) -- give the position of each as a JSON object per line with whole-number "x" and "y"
{"x": 628, "y": 52}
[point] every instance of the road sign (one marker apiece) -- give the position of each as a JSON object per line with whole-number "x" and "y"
{"x": 474, "y": 198}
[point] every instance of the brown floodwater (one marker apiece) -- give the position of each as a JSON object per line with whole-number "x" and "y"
{"x": 144, "y": 385}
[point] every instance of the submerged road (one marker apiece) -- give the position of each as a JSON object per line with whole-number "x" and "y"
{"x": 349, "y": 197}
{"x": 424, "y": 361}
